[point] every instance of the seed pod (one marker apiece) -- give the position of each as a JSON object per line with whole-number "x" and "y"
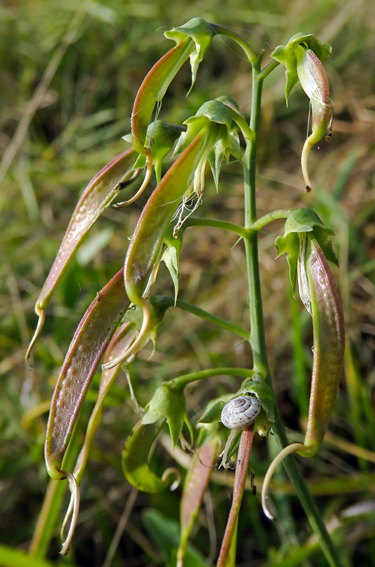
{"x": 153, "y": 89}
{"x": 120, "y": 342}
{"x": 195, "y": 485}
{"x": 314, "y": 82}
{"x": 86, "y": 349}
{"x": 144, "y": 253}
{"x": 97, "y": 196}
{"x": 322, "y": 298}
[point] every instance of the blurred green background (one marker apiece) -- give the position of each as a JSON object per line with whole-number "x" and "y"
{"x": 69, "y": 75}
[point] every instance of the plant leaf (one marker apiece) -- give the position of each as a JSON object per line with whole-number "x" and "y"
{"x": 302, "y": 221}
{"x": 285, "y": 54}
{"x": 201, "y": 33}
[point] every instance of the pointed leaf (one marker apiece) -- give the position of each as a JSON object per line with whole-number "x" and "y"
{"x": 162, "y": 137}
{"x": 171, "y": 256}
{"x": 169, "y": 403}
{"x": 201, "y": 33}
{"x": 299, "y": 222}
{"x": 135, "y": 458}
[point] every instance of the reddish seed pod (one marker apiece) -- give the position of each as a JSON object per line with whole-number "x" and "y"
{"x": 86, "y": 349}
{"x": 319, "y": 293}
{"x": 314, "y": 82}
{"x": 144, "y": 253}
{"x": 97, "y": 196}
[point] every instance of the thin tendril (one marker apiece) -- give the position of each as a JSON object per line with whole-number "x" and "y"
{"x": 41, "y": 314}
{"x": 293, "y": 448}
{"x": 71, "y": 513}
{"x": 143, "y": 186}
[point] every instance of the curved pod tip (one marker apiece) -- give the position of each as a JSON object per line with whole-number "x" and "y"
{"x": 42, "y": 316}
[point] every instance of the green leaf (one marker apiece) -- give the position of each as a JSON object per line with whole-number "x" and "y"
{"x": 215, "y": 111}
{"x": 215, "y": 119}
{"x": 135, "y": 457}
{"x": 171, "y": 256}
{"x": 301, "y": 221}
{"x": 201, "y": 33}
{"x": 213, "y": 414}
{"x": 169, "y": 403}
{"x": 10, "y": 557}
{"x": 285, "y": 54}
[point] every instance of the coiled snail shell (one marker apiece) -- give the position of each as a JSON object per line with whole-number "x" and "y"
{"x": 240, "y": 412}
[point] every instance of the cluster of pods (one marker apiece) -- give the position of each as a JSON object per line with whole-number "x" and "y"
{"x": 104, "y": 334}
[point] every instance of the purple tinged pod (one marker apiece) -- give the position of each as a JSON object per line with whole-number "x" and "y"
{"x": 144, "y": 253}
{"x": 97, "y": 196}
{"x": 320, "y": 296}
{"x": 153, "y": 89}
{"x": 313, "y": 79}
{"x": 151, "y": 92}
{"x": 329, "y": 342}
{"x": 82, "y": 359}
{"x": 120, "y": 341}
{"x": 195, "y": 485}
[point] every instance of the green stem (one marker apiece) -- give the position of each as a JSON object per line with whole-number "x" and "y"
{"x": 257, "y": 334}
{"x": 268, "y": 69}
{"x": 238, "y": 39}
{"x": 182, "y": 381}
{"x": 269, "y": 217}
{"x": 218, "y": 321}
{"x": 215, "y": 223}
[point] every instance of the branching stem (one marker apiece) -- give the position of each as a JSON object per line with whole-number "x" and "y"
{"x": 257, "y": 334}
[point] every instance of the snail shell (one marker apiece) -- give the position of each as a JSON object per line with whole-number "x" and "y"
{"x": 240, "y": 412}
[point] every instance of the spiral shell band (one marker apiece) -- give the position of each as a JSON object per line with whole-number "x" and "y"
{"x": 240, "y": 412}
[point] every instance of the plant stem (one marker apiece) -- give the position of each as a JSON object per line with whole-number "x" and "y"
{"x": 269, "y": 217}
{"x": 238, "y": 39}
{"x": 257, "y": 334}
{"x": 228, "y": 546}
{"x": 268, "y": 69}
{"x": 182, "y": 381}
{"x": 216, "y": 223}
{"x": 218, "y": 321}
